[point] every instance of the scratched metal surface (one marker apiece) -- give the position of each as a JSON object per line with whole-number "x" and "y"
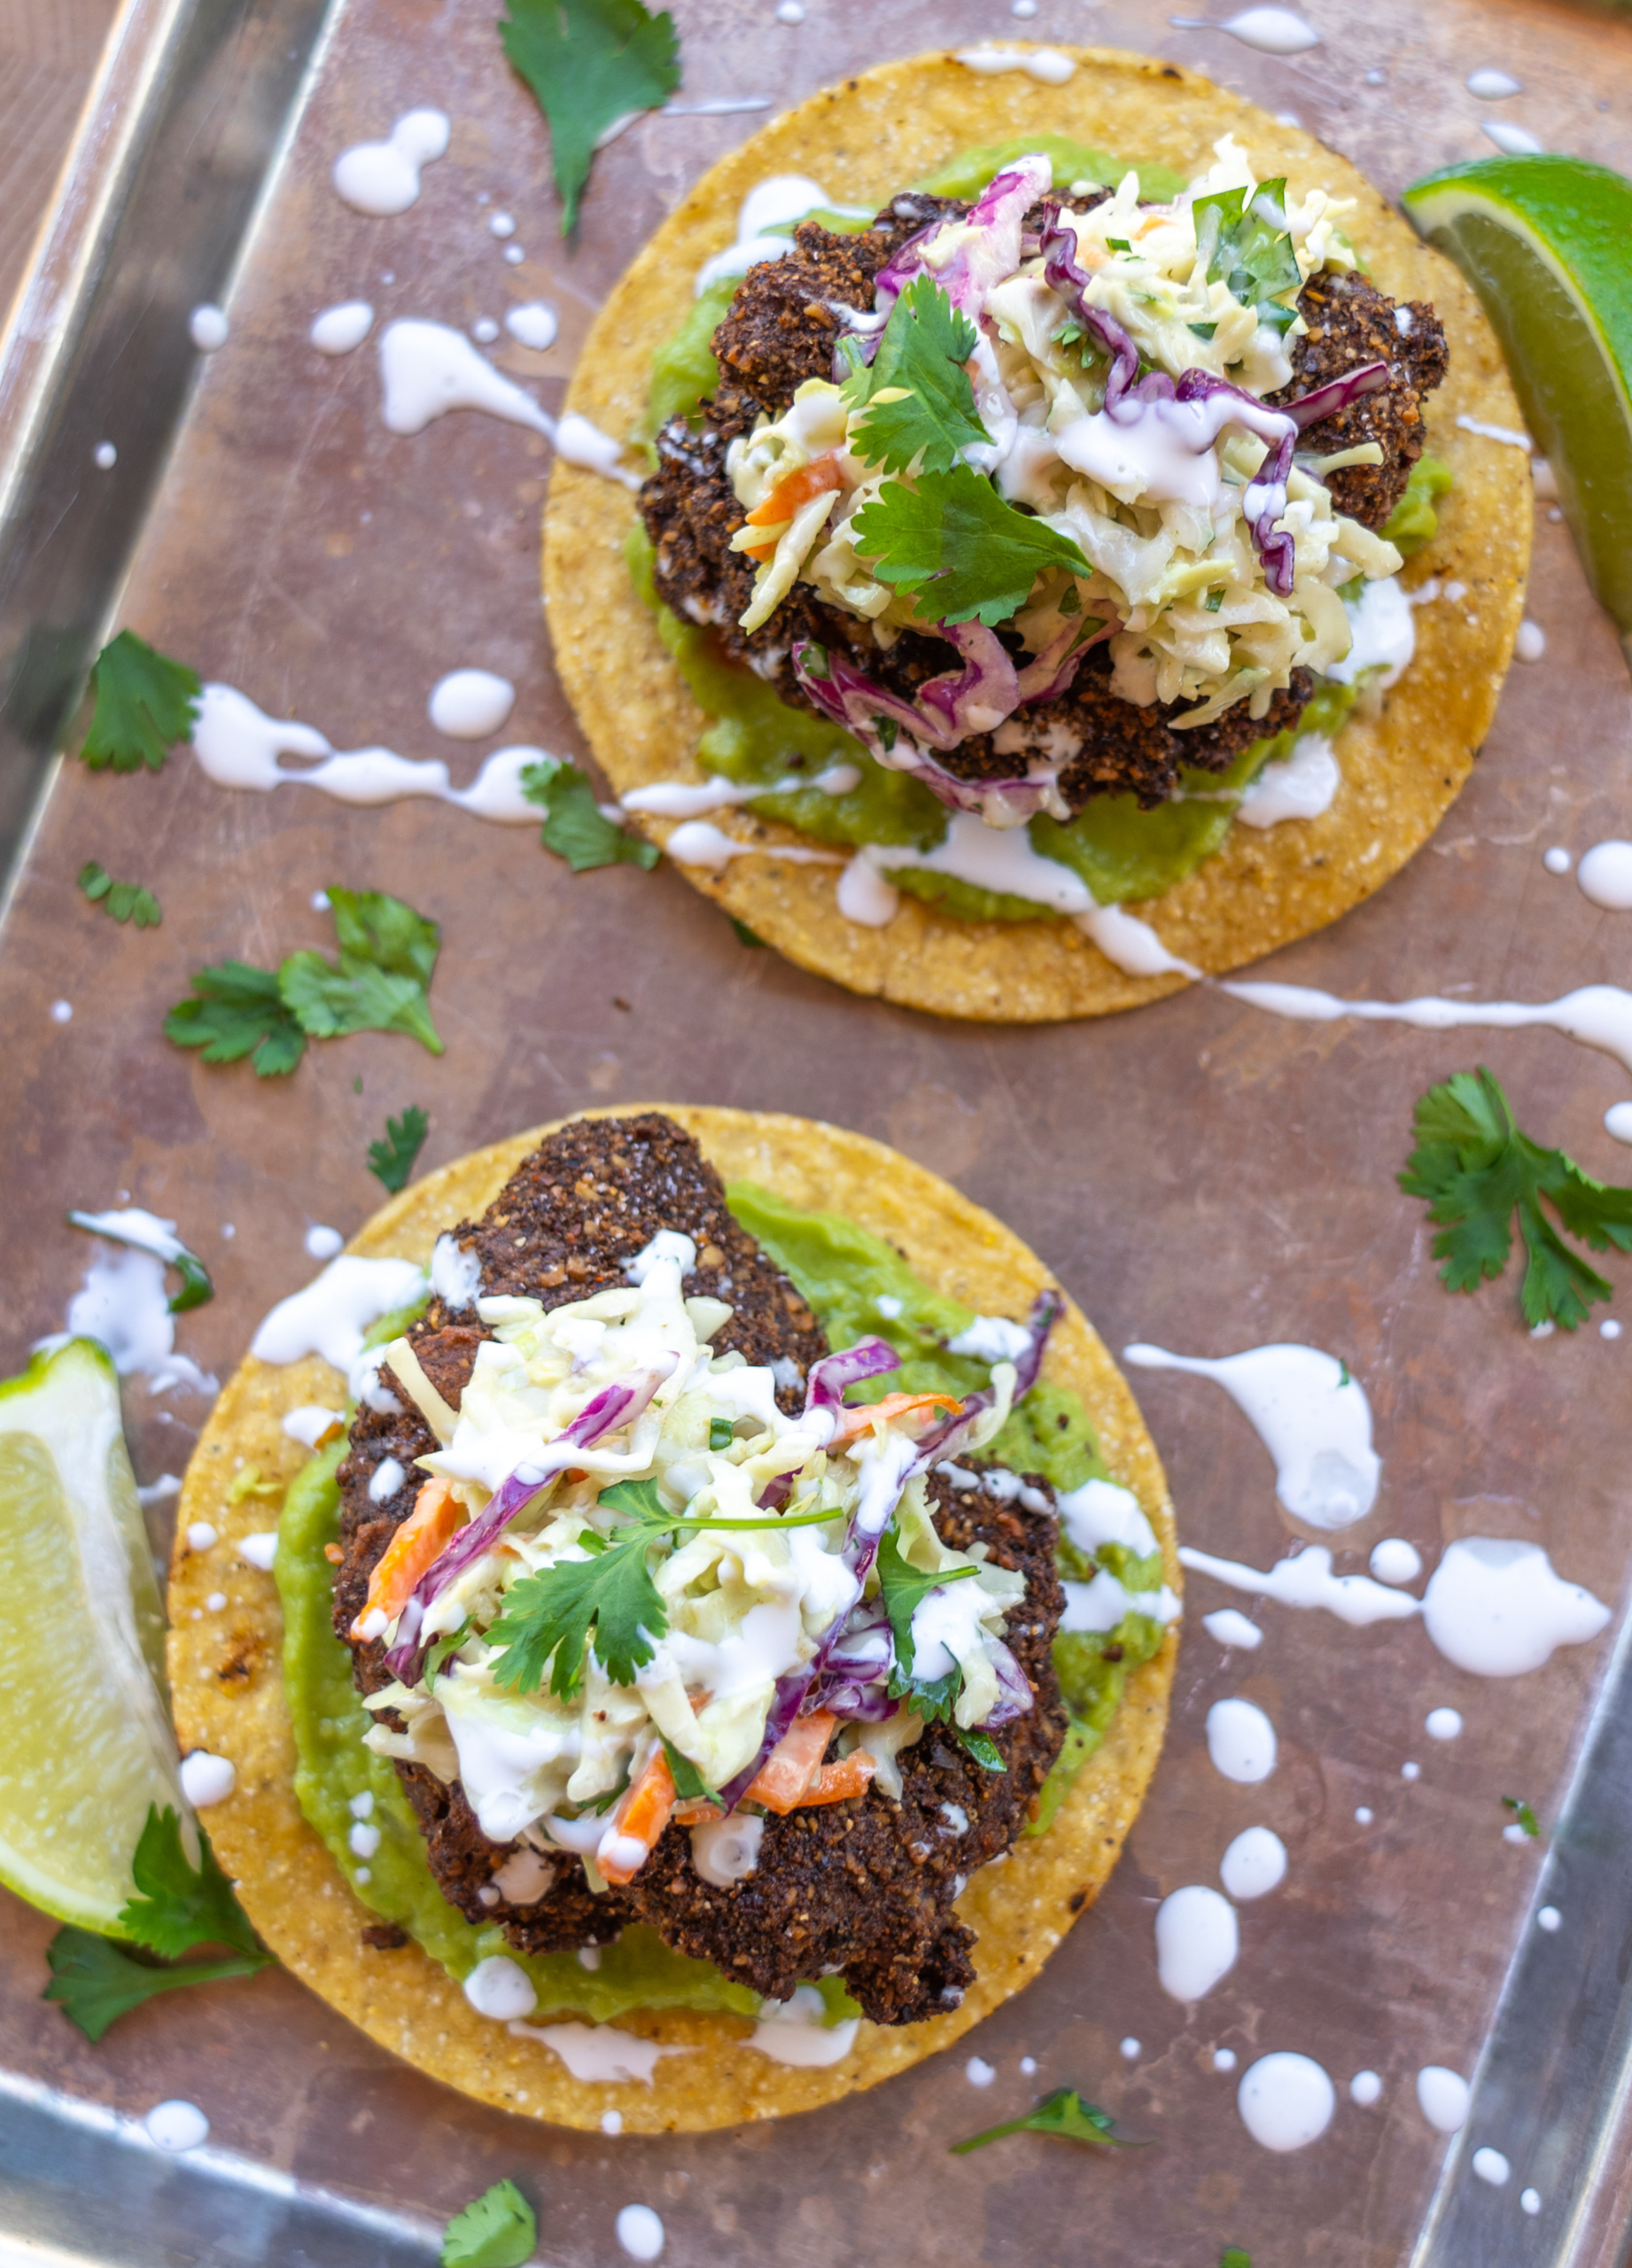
{"x": 1198, "y": 1175}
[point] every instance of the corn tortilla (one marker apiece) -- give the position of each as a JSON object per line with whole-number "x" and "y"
{"x": 864, "y": 141}
{"x": 225, "y": 1674}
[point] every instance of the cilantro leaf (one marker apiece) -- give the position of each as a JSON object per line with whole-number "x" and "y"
{"x": 953, "y": 542}
{"x": 575, "y": 826}
{"x": 1523, "y": 1816}
{"x": 237, "y": 1010}
{"x": 197, "y": 1288}
{"x": 689, "y": 1784}
{"x": 588, "y": 63}
{"x": 1248, "y": 249}
{"x": 95, "y": 1983}
{"x": 1476, "y": 1170}
{"x": 982, "y": 1747}
{"x": 145, "y": 703}
{"x": 392, "y": 1160}
{"x": 180, "y": 1905}
{"x": 920, "y": 360}
{"x": 745, "y": 935}
{"x": 125, "y": 901}
{"x": 1065, "y": 2113}
{"x": 550, "y": 1618}
{"x": 499, "y": 2230}
{"x": 1232, "y": 2257}
{"x": 904, "y": 1587}
{"x": 387, "y": 955}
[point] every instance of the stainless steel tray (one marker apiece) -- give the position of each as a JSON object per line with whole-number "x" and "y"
{"x": 1197, "y": 1174}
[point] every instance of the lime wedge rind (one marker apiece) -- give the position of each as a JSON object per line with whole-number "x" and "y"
{"x": 88, "y": 1744}
{"x": 1544, "y": 242}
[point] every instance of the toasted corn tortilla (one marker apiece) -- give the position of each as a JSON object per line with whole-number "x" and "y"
{"x": 225, "y": 1675}
{"x": 863, "y": 141}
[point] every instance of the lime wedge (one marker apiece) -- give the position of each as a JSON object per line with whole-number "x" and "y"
{"x": 1546, "y": 242}
{"x": 88, "y": 1743}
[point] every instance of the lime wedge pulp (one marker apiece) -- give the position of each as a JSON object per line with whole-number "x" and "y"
{"x": 88, "y": 1742}
{"x": 1546, "y": 242}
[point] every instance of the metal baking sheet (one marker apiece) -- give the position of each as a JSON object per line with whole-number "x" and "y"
{"x": 1199, "y": 1174}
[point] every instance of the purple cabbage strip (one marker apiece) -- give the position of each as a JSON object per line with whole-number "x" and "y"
{"x": 614, "y": 1406}
{"x": 869, "y": 1358}
{"x": 945, "y": 1440}
{"x": 1015, "y": 1695}
{"x": 1337, "y": 393}
{"x": 786, "y": 1701}
{"x": 989, "y": 252}
{"x": 949, "y": 707}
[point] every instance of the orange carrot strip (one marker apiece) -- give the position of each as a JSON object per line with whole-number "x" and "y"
{"x": 848, "y": 1777}
{"x": 640, "y": 1817}
{"x": 794, "y": 1765}
{"x": 796, "y": 488}
{"x": 693, "y": 1813}
{"x": 851, "y": 1423}
{"x": 436, "y": 1517}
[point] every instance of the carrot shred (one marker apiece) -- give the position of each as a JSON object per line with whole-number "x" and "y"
{"x": 794, "y": 1766}
{"x": 855, "y": 1422}
{"x": 795, "y": 489}
{"x": 436, "y": 1517}
{"x": 640, "y": 1817}
{"x": 848, "y": 1777}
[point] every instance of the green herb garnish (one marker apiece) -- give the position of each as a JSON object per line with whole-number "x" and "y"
{"x": 589, "y": 63}
{"x": 904, "y": 1588}
{"x": 575, "y": 826}
{"x": 550, "y": 1617}
{"x": 196, "y": 1285}
{"x": 982, "y": 1747}
{"x": 920, "y": 362}
{"x": 499, "y": 2230}
{"x": 392, "y": 1160}
{"x": 1522, "y": 1815}
{"x": 952, "y": 541}
{"x": 387, "y": 956}
{"x": 1248, "y": 249}
{"x": 125, "y": 901}
{"x": 721, "y": 1433}
{"x": 689, "y": 1784}
{"x": 145, "y": 703}
{"x": 1064, "y": 2113}
{"x": 1476, "y": 1170}
{"x": 745, "y": 935}
{"x": 177, "y": 1905}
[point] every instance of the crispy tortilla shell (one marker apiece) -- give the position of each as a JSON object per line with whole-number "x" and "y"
{"x": 226, "y": 1676}
{"x": 864, "y": 141}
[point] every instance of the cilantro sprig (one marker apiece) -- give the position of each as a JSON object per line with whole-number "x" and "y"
{"x": 607, "y": 1599}
{"x": 963, "y": 553}
{"x": 387, "y": 955}
{"x": 1064, "y": 2113}
{"x": 499, "y": 2229}
{"x": 904, "y": 1589}
{"x": 145, "y": 704}
{"x": 392, "y": 1160}
{"x": 589, "y": 63}
{"x": 918, "y": 401}
{"x": 177, "y": 1906}
{"x": 1248, "y": 249}
{"x": 575, "y": 826}
{"x": 125, "y": 901}
{"x": 1477, "y": 1171}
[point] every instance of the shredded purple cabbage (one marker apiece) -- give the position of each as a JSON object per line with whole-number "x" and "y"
{"x": 1015, "y": 1695}
{"x": 902, "y": 734}
{"x": 1337, "y": 393}
{"x": 989, "y": 249}
{"x": 869, "y": 1358}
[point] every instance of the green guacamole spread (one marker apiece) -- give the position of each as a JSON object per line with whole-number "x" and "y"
{"x": 1119, "y": 850}
{"x": 845, "y": 1273}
